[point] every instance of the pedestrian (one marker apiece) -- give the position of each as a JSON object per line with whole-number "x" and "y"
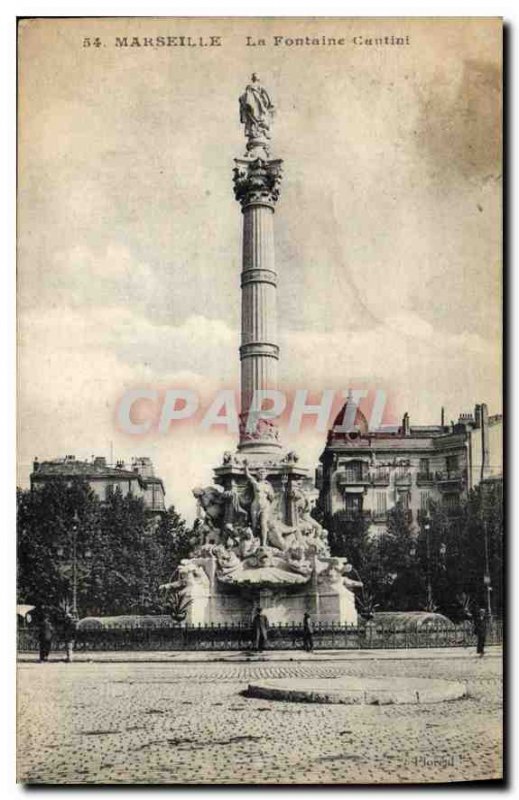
{"x": 480, "y": 629}
{"x": 45, "y": 632}
{"x": 69, "y": 634}
{"x": 308, "y": 630}
{"x": 260, "y": 626}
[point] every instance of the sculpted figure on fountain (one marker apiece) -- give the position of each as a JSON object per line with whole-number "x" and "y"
{"x": 262, "y": 499}
{"x": 260, "y": 520}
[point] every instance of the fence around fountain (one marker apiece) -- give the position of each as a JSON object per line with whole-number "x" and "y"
{"x": 288, "y": 636}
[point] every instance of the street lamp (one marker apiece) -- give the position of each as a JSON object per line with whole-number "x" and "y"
{"x": 486, "y": 577}
{"x": 427, "y": 528}
{"x": 74, "y": 563}
{"x": 443, "y": 554}
{"x": 60, "y": 552}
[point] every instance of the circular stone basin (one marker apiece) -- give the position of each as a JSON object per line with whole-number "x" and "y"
{"x": 359, "y": 691}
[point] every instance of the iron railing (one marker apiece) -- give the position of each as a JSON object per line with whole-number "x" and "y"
{"x": 380, "y": 478}
{"x": 280, "y": 637}
{"x": 403, "y": 479}
{"x": 451, "y": 476}
{"x": 424, "y": 478}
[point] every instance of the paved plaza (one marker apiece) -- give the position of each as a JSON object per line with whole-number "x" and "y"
{"x": 188, "y": 722}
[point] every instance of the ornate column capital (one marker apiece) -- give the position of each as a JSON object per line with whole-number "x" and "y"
{"x": 257, "y": 182}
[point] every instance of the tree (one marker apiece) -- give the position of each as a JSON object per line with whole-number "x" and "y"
{"x": 442, "y": 559}
{"x": 400, "y": 577}
{"x": 46, "y": 524}
{"x": 116, "y": 582}
{"x": 122, "y": 555}
{"x": 137, "y": 555}
{"x": 454, "y": 550}
{"x": 349, "y": 538}
{"x": 482, "y": 545}
{"x": 166, "y": 545}
{"x": 441, "y": 567}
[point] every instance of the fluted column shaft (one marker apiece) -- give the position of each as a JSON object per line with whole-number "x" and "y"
{"x": 259, "y": 351}
{"x": 256, "y": 185}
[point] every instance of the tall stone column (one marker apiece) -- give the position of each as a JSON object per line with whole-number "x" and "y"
{"x": 256, "y": 186}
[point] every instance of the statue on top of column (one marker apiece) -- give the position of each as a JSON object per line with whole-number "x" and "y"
{"x": 256, "y": 112}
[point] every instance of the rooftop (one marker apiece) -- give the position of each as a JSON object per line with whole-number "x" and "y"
{"x": 140, "y": 469}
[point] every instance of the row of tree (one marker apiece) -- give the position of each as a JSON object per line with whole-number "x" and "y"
{"x": 451, "y": 564}
{"x": 112, "y": 555}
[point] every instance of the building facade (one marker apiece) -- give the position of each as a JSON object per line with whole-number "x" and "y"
{"x": 370, "y": 472}
{"x": 137, "y": 478}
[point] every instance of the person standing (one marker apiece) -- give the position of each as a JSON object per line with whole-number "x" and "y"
{"x": 260, "y": 630}
{"x": 480, "y": 629}
{"x": 45, "y": 631}
{"x": 308, "y": 630}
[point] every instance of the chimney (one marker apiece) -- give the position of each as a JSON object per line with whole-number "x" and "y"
{"x": 485, "y": 450}
{"x": 405, "y": 425}
{"x": 443, "y": 417}
{"x": 35, "y": 464}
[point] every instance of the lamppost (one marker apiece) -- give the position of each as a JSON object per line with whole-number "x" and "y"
{"x": 427, "y": 528}
{"x": 75, "y": 526}
{"x": 73, "y": 535}
{"x": 486, "y": 577}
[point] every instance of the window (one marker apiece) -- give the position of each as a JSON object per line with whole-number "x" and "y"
{"x": 404, "y": 499}
{"x": 353, "y": 503}
{"x": 452, "y": 464}
{"x": 353, "y": 471}
{"x": 381, "y": 502}
{"x": 451, "y": 501}
{"x": 424, "y": 466}
{"x": 424, "y": 501}
{"x": 109, "y": 490}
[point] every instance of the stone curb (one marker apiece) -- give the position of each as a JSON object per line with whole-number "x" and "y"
{"x": 236, "y": 657}
{"x": 360, "y": 691}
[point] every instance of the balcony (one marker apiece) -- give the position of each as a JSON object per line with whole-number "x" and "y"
{"x": 353, "y": 479}
{"x": 452, "y": 512}
{"x": 380, "y": 478}
{"x": 403, "y": 479}
{"x": 425, "y": 478}
{"x": 351, "y": 515}
{"x": 156, "y": 507}
{"x": 449, "y": 479}
{"x": 382, "y": 516}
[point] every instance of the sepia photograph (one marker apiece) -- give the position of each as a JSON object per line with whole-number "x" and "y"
{"x": 260, "y": 524}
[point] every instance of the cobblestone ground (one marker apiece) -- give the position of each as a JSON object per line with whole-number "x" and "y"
{"x": 189, "y": 723}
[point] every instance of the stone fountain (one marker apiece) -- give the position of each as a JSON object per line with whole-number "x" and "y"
{"x": 258, "y": 542}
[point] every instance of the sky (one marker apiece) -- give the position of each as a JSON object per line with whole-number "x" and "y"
{"x": 388, "y": 228}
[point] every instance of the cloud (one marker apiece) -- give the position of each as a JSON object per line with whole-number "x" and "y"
{"x": 76, "y": 363}
{"x": 420, "y": 368}
{"x": 387, "y": 233}
{"x": 459, "y": 129}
